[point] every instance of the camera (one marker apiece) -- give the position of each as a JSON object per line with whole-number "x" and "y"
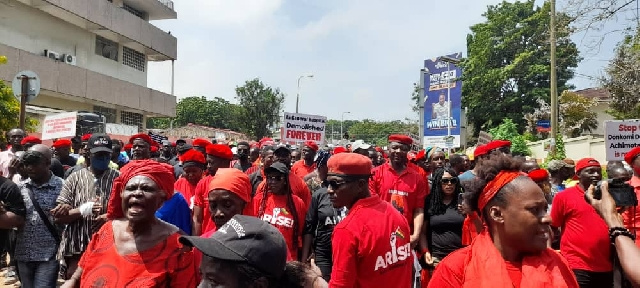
{"x": 621, "y": 192}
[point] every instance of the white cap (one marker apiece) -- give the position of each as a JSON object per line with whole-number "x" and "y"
{"x": 234, "y": 150}
{"x": 359, "y": 144}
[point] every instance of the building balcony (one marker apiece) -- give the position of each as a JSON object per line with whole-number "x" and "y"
{"x": 155, "y": 9}
{"x": 107, "y": 20}
{"x": 71, "y": 88}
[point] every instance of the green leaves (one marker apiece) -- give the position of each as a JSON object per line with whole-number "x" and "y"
{"x": 508, "y": 130}
{"x": 261, "y": 107}
{"x": 622, "y": 79}
{"x": 10, "y": 109}
{"x": 507, "y": 69}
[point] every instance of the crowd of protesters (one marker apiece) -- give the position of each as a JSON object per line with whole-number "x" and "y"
{"x": 96, "y": 212}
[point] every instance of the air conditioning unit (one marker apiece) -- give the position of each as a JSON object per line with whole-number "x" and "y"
{"x": 69, "y": 59}
{"x": 51, "y": 54}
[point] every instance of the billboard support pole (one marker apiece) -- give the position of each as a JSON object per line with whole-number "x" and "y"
{"x": 423, "y": 73}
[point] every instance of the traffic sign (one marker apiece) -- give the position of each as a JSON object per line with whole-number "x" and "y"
{"x": 34, "y": 85}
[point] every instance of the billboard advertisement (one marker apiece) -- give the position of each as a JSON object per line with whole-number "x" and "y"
{"x": 442, "y": 96}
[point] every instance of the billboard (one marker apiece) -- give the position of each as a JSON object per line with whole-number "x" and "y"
{"x": 442, "y": 96}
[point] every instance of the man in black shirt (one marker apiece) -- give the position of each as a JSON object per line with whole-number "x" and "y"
{"x": 62, "y": 151}
{"x": 12, "y": 213}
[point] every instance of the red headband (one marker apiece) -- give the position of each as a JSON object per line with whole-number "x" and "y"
{"x": 492, "y": 188}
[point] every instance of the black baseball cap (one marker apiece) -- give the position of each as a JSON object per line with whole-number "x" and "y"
{"x": 277, "y": 167}
{"x": 245, "y": 239}
{"x": 100, "y": 143}
{"x": 282, "y": 148}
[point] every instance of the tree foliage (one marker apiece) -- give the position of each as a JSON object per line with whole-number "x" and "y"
{"x": 415, "y": 98}
{"x": 507, "y": 69}
{"x": 261, "y": 106}
{"x": 377, "y": 132}
{"x": 558, "y": 152}
{"x": 10, "y": 109}
{"x": 218, "y": 113}
{"x": 576, "y": 115}
{"x": 623, "y": 79}
{"x": 508, "y": 130}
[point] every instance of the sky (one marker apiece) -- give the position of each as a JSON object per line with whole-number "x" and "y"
{"x": 364, "y": 55}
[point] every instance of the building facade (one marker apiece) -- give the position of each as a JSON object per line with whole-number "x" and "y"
{"x": 90, "y": 55}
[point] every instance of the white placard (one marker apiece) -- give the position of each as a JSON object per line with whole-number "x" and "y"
{"x": 620, "y": 137}
{"x": 59, "y": 125}
{"x": 303, "y": 127}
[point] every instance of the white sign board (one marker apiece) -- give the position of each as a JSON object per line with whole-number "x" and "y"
{"x": 59, "y": 125}
{"x": 302, "y": 127}
{"x": 441, "y": 142}
{"x": 620, "y": 137}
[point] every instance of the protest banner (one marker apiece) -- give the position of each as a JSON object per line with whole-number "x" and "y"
{"x": 620, "y": 137}
{"x": 59, "y": 125}
{"x": 303, "y": 127}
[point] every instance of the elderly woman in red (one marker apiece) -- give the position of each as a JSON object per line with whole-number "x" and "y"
{"x": 136, "y": 249}
{"x": 512, "y": 251}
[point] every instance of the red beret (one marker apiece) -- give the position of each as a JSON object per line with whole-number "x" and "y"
{"x": 201, "y": 142}
{"x": 586, "y": 163}
{"x": 312, "y": 145}
{"x": 173, "y": 144}
{"x": 30, "y": 140}
{"x": 85, "y": 137}
{"x": 192, "y": 156}
{"x": 421, "y": 155}
{"x": 495, "y": 144}
{"x": 403, "y": 139}
{"x": 128, "y": 146}
{"x": 411, "y": 156}
{"x": 351, "y": 164}
{"x": 480, "y": 150}
{"x": 153, "y": 149}
{"x": 144, "y": 137}
{"x": 62, "y": 143}
{"x": 220, "y": 151}
{"x": 339, "y": 149}
{"x": 538, "y": 175}
{"x": 631, "y": 155}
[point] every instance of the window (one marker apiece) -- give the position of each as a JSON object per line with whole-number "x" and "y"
{"x": 133, "y": 11}
{"x": 108, "y": 113}
{"x": 133, "y": 58}
{"x": 106, "y": 48}
{"x": 131, "y": 118}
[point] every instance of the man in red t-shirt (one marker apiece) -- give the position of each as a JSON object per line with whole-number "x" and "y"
{"x": 400, "y": 185}
{"x": 218, "y": 156}
{"x": 307, "y": 164}
{"x": 585, "y": 236}
{"x": 371, "y": 246}
{"x": 631, "y": 216}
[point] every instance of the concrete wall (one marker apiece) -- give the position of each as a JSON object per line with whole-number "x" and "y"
{"x": 33, "y": 30}
{"x": 600, "y": 110}
{"x": 78, "y": 85}
{"x": 576, "y": 148}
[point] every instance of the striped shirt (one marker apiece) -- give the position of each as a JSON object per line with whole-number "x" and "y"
{"x": 82, "y": 187}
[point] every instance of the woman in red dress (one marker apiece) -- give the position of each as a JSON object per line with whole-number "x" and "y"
{"x": 136, "y": 249}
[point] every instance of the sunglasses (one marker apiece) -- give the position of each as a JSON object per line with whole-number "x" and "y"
{"x": 335, "y": 185}
{"x": 275, "y": 178}
{"x": 452, "y": 181}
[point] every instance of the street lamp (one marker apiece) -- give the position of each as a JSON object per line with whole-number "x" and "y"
{"x": 341, "y": 122}
{"x": 298, "y": 94}
{"x": 449, "y": 61}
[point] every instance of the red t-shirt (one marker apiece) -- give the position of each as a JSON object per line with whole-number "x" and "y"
{"x": 298, "y": 187}
{"x": 585, "y": 236}
{"x": 631, "y": 219}
{"x": 300, "y": 169}
{"x": 201, "y": 195}
{"x": 187, "y": 190}
{"x": 278, "y": 213}
{"x": 371, "y": 247}
{"x": 405, "y": 191}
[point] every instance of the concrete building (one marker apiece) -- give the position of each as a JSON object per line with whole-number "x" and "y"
{"x": 91, "y": 55}
{"x": 603, "y": 98}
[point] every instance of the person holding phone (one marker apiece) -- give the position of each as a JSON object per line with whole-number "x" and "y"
{"x": 442, "y": 231}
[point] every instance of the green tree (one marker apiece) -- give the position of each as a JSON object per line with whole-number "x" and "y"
{"x": 261, "y": 107}
{"x": 507, "y": 69}
{"x": 377, "y": 132}
{"x": 508, "y": 130}
{"x": 415, "y": 98}
{"x": 557, "y": 152}
{"x": 576, "y": 115}
{"x": 622, "y": 76}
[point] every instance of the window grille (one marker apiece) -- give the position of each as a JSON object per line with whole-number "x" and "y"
{"x": 133, "y": 11}
{"x": 133, "y": 58}
{"x": 131, "y": 118}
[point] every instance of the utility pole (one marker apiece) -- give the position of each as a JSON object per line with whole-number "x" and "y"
{"x": 553, "y": 80}
{"x": 423, "y": 73}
